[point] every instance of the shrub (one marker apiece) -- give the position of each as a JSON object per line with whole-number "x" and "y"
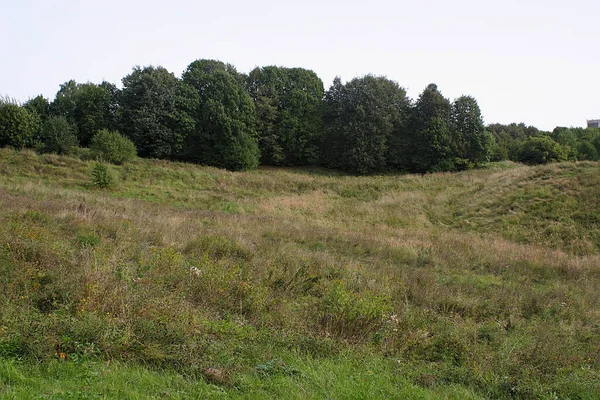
{"x": 17, "y": 125}
{"x": 101, "y": 175}
{"x": 112, "y": 147}
{"x": 57, "y": 136}
{"x": 541, "y": 150}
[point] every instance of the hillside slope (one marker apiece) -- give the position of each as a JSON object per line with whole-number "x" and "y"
{"x": 483, "y": 283}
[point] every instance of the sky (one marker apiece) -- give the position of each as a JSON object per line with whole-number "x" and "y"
{"x": 536, "y": 62}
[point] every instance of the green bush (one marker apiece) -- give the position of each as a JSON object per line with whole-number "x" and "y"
{"x": 57, "y": 136}
{"x": 112, "y": 147}
{"x": 17, "y": 125}
{"x": 542, "y": 150}
{"x": 101, "y": 175}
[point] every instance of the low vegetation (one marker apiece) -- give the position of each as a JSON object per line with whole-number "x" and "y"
{"x": 184, "y": 281}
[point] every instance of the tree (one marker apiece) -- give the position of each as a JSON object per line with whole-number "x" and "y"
{"x": 225, "y": 134}
{"x": 509, "y": 139}
{"x": 542, "y": 150}
{"x": 587, "y": 151}
{"x": 17, "y": 125}
{"x": 85, "y": 105}
{"x": 289, "y": 108}
{"x": 471, "y": 141}
{"x": 40, "y": 105}
{"x": 430, "y": 132}
{"x": 155, "y": 110}
{"x": 57, "y": 135}
{"x": 361, "y": 118}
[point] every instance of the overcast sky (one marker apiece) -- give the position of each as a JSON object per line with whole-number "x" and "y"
{"x": 528, "y": 61}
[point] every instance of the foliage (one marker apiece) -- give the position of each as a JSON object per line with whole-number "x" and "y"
{"x": 289, "y": 106}
{"x": 57, "y": 136}
{"x": 471, "y": 141}
{"x": 85, "y": 105}
{"x": 584, "y": 144}
{"x": 112, "y": 147}
{"x": 508, "y": 139}
{"x": 39, "y": 105}
{"x": 542, "y": 150}
{"x": 361, "y": 117}
{"x": 155, "y": 111}
{"x": 101, "y": 175}
{"x": 17, "y": 125}
{"x": 225, "y": 134}
{"x": 431, "y": 140}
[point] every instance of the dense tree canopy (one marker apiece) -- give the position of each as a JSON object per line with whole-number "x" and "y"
{"x": 216, "y": 116}
{"x": 85, "y": 105}
{"x": 18, "y": 126}
{"x": 541, "y": 150}
{"x": 57, "y": 135}
{"x": 360, "y": 119}
{"x": 471, "y": 141}
{"x": 225, "y": 134}
{"x": 40, "y": 105}
{"x": 288, "y": 106}
{"x": 430, "y": 131}
{"x": 155, "y": 111}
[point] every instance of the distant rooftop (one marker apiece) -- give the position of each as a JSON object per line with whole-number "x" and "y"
{"x": 593, "y": 123}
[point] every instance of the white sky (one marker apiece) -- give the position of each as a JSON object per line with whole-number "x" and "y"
{"x": 528, "y": 61}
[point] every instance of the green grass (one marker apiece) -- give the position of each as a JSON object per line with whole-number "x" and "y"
{"x": 306, "y": 283}
{"x": 300, "y": 379}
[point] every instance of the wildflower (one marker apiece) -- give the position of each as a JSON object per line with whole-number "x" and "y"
{"x": 195, "y": 271}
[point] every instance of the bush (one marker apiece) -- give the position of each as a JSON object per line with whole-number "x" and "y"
{"x": 57, "y": 136}
{"x": 101, "y": 175}
{"x": 542, "y": 150}
{"x": 112, "y": 147}
{"x": 17, "y": 125}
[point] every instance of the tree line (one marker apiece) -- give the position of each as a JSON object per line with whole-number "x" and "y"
{"x": 215, "y": 115}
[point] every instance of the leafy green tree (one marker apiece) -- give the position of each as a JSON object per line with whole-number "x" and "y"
{"x": 225, "y": 134}
{"x": 18, "y": 126}
{"x": 85, "y": 105}
{"x": 583, "y": 142}
{"x": 112, "y": 147}
{"x": 431, "y": 139}
{"x": 40, "y": 105}
{"x": 509, "y": 139}
{"x": 361, "y": 117}
{"x": 471, "y": 142}
{"x": 113, "y": 113}
{"x": 57, "y": 135}
{"x": 289, "y": 108}
{"x": 587, "y": 151}
{"x": 542, "y": 150}
{"x": 155, "y": 111}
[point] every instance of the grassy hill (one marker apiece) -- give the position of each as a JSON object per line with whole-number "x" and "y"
{"x": 183, "y": 282}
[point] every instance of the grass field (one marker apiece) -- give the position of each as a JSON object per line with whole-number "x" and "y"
{"x": 182, "y": 281}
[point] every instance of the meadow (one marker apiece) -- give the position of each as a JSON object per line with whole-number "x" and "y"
{"x": 181, "y": 281}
